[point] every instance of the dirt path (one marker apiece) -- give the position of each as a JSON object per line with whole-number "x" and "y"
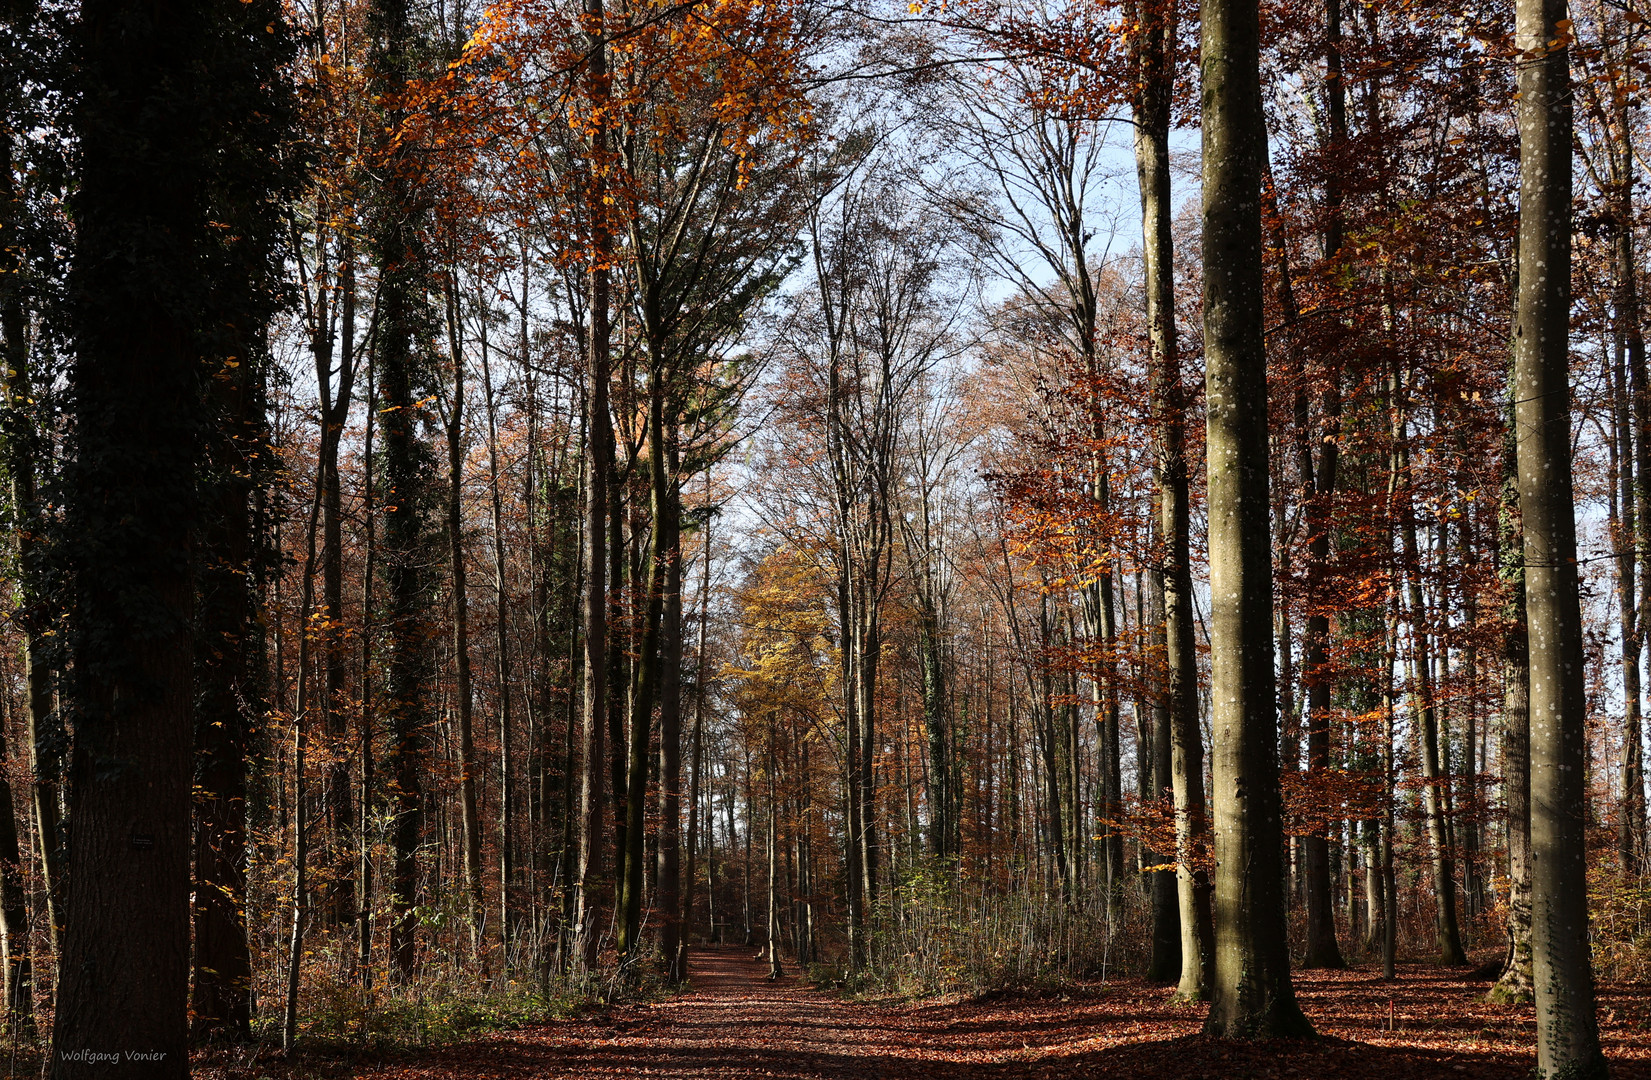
{"x": 735, "y": 1025}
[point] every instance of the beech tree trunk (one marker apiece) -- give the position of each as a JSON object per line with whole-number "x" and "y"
{"x": 1567, "y": 1031}
{"x": 1180, "y": 898}
{"x": 1251, "y": 994}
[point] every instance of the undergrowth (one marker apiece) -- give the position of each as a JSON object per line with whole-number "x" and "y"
{"x": 933, "y": 937}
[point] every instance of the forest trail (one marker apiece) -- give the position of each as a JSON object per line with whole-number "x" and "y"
{"x": 735, "y": 1025}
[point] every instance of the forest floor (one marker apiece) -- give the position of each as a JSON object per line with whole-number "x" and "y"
{"x": 733, "y": 1024}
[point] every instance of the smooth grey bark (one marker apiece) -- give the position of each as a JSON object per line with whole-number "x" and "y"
{"x": 1251, "y": 995}
{"x": 1567, "y": 1030}
{"x": 1180, "y": 899}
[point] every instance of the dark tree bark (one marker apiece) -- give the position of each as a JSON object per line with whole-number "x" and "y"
{"x": 1319, "y": 485}
{"x": 589, "y": 884}
{"x": 139, "y": 222}
{"x": 669, "y": 890}
{"x": 1635, "y": 493}
{"x": 646, "y": 683}
{"x": 17, "y": 426}
{"x": 697, "y": 752}
{"x": 392, "y": 229}
{"x": 1251, "y": 993}
{"x": 1445, "y": 925}
{"x": 470, "y": 824}
{"x": 509, "y": 914}
{"x": 227, "y": 700}
{"x": 335, "y": 410}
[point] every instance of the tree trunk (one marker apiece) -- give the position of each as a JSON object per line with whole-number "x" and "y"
{"x": 670, "y": 891}
{"x": 589, "y": 886}
{"x": 1567, "y": 1032}
{"x": 697, "y": 739}
{"x": 464, "y": 698}
{"x": 1634, "y": 457}
{"x": 334, "y": 413}
{"x": 774, "y": 969}
{"x": 1251, "y": 993}
{"x": 1434, "y": 779}
{"x": 144, "y": 159}
{"x": 46, "y": 737}
{"x": 1180, "y": 900}
{"x": 508, "y": 915}
{"x": 364, "y": 735}
{"x": 401, "y": 259}
{"x": 646, "y": 683}
{"x": 17, "y": 427}
{"x": 15, "y": 947}
{"x": 227, "y": 706}
{"x": 1514, "y": 986}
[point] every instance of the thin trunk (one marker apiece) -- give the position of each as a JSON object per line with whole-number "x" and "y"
{"x": 227, "y": 702}
{"x": 1318, "y": 486}
{"x": 1634, "y": 456}
{"x": 464, "y": 697}
{"x": 670, "y": 724}
{"x": 695, "y": 769}
{"x": 334, "y": 412}
{"x": 364, "y": 893}
{"x": 648, "y": 677}
{"x": 589, "y": 886}
{"x": 1445, "y": 926}
{"x": 508, "y": 915}
{"x": 774, "y": 969}
{"x": 17, "y": 428}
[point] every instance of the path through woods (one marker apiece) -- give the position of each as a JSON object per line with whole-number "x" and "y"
{"x": 736, "y": 1025}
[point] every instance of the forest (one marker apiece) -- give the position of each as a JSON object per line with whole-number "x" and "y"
{"x": 768, "y": 537}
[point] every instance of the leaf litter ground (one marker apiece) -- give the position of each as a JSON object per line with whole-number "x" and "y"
{"x": 735, "y": 1025}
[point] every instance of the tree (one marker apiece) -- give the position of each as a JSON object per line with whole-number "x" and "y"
{"x": 1177, "y": 742}
{"x": 598, "y": 466}
{"x": 1567, "y": 1032}
{"x": 146, "y": 139}
{"x": 393, "y": 220}
{"x": 1250, "y": 992}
